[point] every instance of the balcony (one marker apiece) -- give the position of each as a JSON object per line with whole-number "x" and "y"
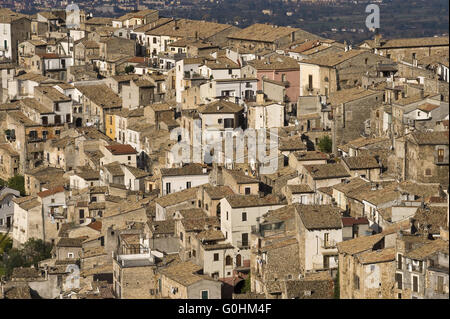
{"x": 243, "y": 245}
{"x": 329, "y": 244}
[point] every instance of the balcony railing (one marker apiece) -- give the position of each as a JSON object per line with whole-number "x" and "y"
{"x": 329, "y": 244}
{"x": 243, "y": 245}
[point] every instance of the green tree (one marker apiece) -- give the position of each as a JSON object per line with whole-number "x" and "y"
{"x": 32, "y": 252}
{"x": 325, "y": 144}
{"x": 35, "y": 250}
{"x": 18, "y": 183}
{"x": 129, "y": 69}
{"x": 337, "y": 293}
{"x": 5, "y": 243}
{"x": 247, "y": 285}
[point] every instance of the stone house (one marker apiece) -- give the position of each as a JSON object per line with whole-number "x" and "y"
{"x": 9, "y": 162}
{"x": 421, "y": 268}
{"x": 425, "y": 156}
{"x": 300, "y": 158}
{"x": 209, "y": 198}
{"x": 176, "y": 179}
{"x": 240, "y": 182}
{"x": 323, "y": 175}
{"x": 68, "y": 248}
{"x": 319, "y": 229}
{"x": 354, "y": 227}
{"x": 365, "y": 166}
{"x": 239, "y": 213}
{"x": 7, "y": 207}
{"x": 97, "y": 100}
{"x": 43, "y": 178}
{"x": 182, "y": 281}
{"x": 167, "y": 205}
{"x": 350, "y": 108}
{"x": 265, "y": 36}
{"x": 120, "y": 153}
{"x": 28, "y": 220}
{"x": 366, "y": 268}
{"x": 407, "y": 49}
{"x": 138, "y": 93}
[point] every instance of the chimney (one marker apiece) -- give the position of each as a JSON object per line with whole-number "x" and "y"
{"x": 377, "y": 38}
{"x": 260, "y": 98}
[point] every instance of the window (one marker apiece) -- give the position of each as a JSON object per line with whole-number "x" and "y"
{"x": 227, "y": 215}
{"x": 247, "y": 190}
{"x": 428, "y": 172}
{"x": 204, "y": 294}
{"x": 399, "y": 261}
{"x": 194, "y": 253}
{"x": 440, "y": 284}
{"x": 283, "y": 77}
{"x": 415, "y": 285}
{"x": 181, "y": 236}
{"x": 188, "y": 184}
{"x": 244, "y": 237}
{"x": 230, "y": 71}
{"x": 356, "y": 282}
{"x": 440, "y": 155}
{"x": 216, "y": 257}
{"x": 167, "y": 188}
{"x": 244, "y": 217}
{"x": 399, "y": 280}
{"x": 310, "y": 82}
{"x": 228, "y": 261}
{"x": 70, "y": 255}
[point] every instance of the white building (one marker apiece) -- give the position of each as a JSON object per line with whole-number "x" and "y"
{"x": 319, "y": 230}
{"x": 177, "y": 179}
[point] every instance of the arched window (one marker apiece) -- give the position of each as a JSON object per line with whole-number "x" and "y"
{"x": 228, "y": 261}
{"x": 238, "y": 260}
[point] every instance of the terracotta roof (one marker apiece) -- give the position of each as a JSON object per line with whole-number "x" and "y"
{"x": 275, "y": 62}
{"x": 183, "y": 273}
{"x": 430, "y": 219}
{"x": 319, "y": 216}
{"x": 348, "y": 95}
{"x": 218, "y": 192}
{"x": 326, "y": 171}
{"x": 240, "y": 201}
{"x": 333, "y": 58}
{"x": 291, "y": 143}
{"x": 428, "y": 249}
{"x": 220, "y": 106}
{"x": 377, "y": 256}
{"x": 360, "y": 244}
{"x": 310, "y": 155}
{"x": 427, "y": 107}
{"x": 240, "y": 178}
{"x": 300, "y": 189}
{"x": 97, "y": 225}
{"x": 101, "y": 95}
{"x": 50, "y": 192}
{"x": 52, "y": 94}
{"x": 410, "y": 42}
{"x": 189, "y": 194}
{"x": 121, "y": 149}
{"x": 189, "y": 169}
{"x": 431, "y": 138}
{"x": 70, "y": 242}
{"x": 350, "y": 221}
{"x": 269, "y": 33}
{"x": 361, "y": 162}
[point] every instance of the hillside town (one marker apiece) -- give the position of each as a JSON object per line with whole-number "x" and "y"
{"x": 152, "y": 157}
